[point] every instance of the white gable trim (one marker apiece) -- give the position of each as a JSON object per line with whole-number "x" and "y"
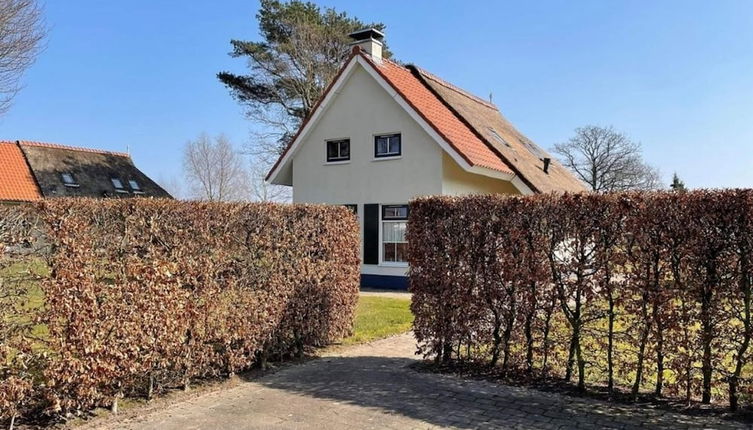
{"x": 312, "y": 122}
{"x": 513, "y": 178}
{"x": 521, "y": 186}
{"x": 337, "y": 86}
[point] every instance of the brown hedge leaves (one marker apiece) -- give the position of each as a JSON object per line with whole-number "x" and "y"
{"x": 145, "y": 294}
{"x": 639, "y": 290}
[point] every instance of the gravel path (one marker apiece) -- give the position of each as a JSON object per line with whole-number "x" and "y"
{"x": 371, "y": 387}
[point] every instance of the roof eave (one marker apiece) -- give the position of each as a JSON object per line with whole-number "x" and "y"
{"x": 277, "y": 177}
{"x": 272, "y": 176}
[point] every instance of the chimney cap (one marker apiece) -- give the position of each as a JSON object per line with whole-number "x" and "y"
{"x": 366, "y": 34}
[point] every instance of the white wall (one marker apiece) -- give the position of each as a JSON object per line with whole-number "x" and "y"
{"x": 456, "y": 181}
{"x": 361, "y": 110}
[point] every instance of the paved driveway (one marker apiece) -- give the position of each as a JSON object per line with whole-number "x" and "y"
{"x": 371, "y": 387}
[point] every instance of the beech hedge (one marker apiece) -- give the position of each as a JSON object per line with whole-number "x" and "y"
{"x": 147, "y": 294}
{"x": 647, "y": 292}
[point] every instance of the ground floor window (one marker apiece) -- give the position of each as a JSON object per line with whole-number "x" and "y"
{"x": 394, "y": 244}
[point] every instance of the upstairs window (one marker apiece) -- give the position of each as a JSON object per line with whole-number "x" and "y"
{"x": 338, "y": 150}
{"x": 387, "y": 145}
{"x": 68, "y": 179}
{"x": 118, "y": 185}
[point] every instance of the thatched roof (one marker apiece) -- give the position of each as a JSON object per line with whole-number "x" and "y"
{"x": 474, "y": 129}
{"x": 92, "y": 172}
{"x": 520, "y": 153}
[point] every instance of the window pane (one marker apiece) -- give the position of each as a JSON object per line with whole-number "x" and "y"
{"x": 395, "y": 212}
{"x": 116, "y": 183}
{"x": 395, "y": 144}
{"x": 401, "y": 252}
{"x": 389, "y": 252}
{"x": 345, "y": 149}
{"x": 134, "y": 185}
{"x": 331, "y": 150}
{"x": 382, "y": 145}
{"x": 393, "y": 231}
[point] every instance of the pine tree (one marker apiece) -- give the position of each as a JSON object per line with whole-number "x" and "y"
{"x": 677, "y": 183}
{"x": 301, "y": 50}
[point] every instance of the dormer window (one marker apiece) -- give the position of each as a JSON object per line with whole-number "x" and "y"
{"x": 118, "y": 185}
{"x": 387, "y": 145}
{"x": 135, "y": 187}
{"x": 338, "y": 150}
{"x": 68, "y": 180}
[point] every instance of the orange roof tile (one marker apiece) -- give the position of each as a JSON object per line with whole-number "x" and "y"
{"x": 470, "y": 125}
{"x": 16, "y": 180}
{"x": 443, "y": 120}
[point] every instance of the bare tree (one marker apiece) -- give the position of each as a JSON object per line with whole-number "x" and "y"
{"x": 21, "y": 33}
{"x": 607, "y": 160}
{"x": 214, "y": 169}
{"x": 262, "y": 191}
{"x": 173, "y": 185}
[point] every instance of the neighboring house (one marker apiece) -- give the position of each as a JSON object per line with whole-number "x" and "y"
{"x": 31, "y": 171}
{"x": 384, "y": 133}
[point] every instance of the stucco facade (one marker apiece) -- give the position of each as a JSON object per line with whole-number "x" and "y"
{"x": 384, "y": 133}
{"x": 361, "y": 110}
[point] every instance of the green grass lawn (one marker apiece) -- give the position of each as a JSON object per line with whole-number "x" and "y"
{"x": 380, "y": 317}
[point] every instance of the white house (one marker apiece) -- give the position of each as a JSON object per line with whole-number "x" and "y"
{"x": 384, "y": 133}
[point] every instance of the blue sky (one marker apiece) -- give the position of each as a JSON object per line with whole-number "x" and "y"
{"x": 675, "y": 75}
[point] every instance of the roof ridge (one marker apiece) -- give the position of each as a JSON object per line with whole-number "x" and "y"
{"x": 414, "y": 71}
{"x": 71, "y": 148}
{"x": 454, "y": 87}
{"x": 471, "y": 127}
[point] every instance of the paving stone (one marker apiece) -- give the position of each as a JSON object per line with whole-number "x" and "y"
{"x": 373, "y": 386}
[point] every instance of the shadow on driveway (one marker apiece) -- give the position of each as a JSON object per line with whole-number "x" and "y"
{"x": 387, "y": 384}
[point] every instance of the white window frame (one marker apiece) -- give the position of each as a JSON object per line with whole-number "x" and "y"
{"x": 381, "y": 234}
{"x": 326, "y": 151}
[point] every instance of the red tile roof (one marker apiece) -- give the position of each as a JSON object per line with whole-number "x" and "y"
{"x": 441, "y": 118}
{"x": 16, "y": 180}
{"x": 472, "y": 126}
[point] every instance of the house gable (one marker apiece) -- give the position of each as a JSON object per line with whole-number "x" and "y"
{"x": 360, "y": 111}
{"x": 420, "y": 104}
